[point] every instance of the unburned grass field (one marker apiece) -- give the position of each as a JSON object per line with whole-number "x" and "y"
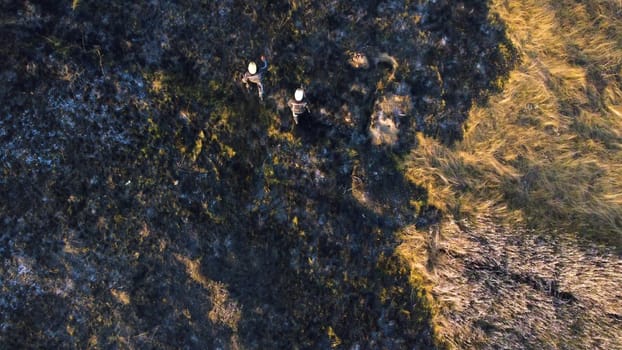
{"x": 529, "y": 255}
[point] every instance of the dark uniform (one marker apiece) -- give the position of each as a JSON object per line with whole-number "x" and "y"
{"x": 298, "y": 108}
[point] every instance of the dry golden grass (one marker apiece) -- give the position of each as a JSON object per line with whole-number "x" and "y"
{"x": 499, "y": 286}
{"x": 225, "y": 311}
{"x": 121, "y": 296}
{"x": 545, "y": 153}
{"x": 547, "y": 149}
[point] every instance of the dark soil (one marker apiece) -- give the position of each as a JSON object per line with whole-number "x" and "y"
{"x": 129, "y": 148}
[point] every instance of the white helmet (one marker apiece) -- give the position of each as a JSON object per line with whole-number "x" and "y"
{"x": 299, "y": 94}
{"x": 252, "y": 68}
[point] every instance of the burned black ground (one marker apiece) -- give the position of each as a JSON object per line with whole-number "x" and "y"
{"x": 130, "y": 155}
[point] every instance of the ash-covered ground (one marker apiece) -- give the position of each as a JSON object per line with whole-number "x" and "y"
{"x": 148, "y": 200}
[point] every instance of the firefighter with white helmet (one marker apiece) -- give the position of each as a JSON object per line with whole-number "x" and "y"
{"x": 298, "y": 105}
{"x": 254, "y": 76}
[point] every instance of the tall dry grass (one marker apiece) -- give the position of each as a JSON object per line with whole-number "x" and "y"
{"x": 547, "y": 150}
{"x": 545, "y": 153}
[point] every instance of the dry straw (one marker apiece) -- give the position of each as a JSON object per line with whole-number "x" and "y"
{"x": 544, "y": 153}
